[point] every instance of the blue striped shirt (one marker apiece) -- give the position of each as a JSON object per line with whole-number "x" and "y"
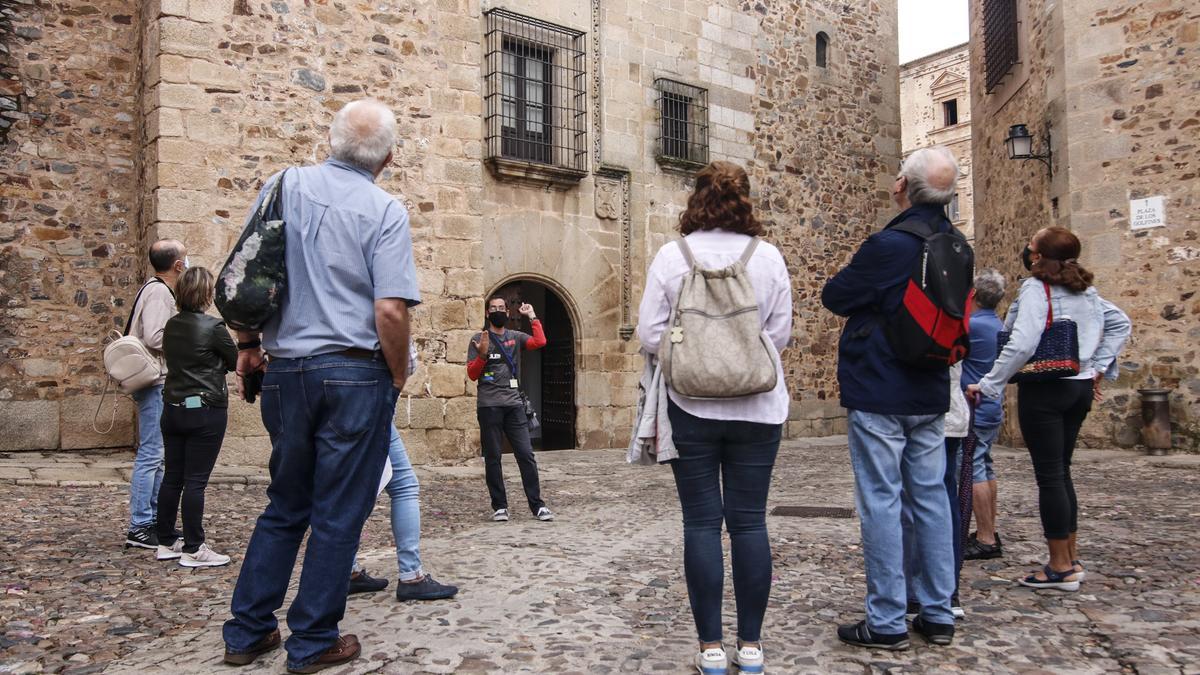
{"x": 348, "y": 245}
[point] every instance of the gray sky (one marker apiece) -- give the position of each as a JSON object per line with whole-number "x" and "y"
{"x": 928, "y": 26}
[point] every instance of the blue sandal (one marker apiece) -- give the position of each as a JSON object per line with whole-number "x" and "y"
{"x": 1054, "y": 580}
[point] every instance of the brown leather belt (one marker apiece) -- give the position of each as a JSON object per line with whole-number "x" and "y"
{"x": 365, "y": 354}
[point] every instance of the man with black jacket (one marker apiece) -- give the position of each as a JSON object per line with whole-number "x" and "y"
{"x": 895, "y": 414}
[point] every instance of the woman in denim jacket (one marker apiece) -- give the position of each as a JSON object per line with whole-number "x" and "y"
{"x": 1051, "y": 413}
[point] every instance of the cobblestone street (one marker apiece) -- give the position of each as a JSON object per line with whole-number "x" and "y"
{"x": 601, "y": 589}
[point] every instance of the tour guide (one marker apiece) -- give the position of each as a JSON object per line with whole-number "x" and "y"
{"x": 494, "y": 360}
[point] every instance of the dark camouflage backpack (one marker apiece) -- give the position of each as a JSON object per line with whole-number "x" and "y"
{"x": 254, "y": 279}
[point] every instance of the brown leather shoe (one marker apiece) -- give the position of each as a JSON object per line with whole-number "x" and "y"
{"x": 269, "y": 643}
{"x": 346, "y": 649}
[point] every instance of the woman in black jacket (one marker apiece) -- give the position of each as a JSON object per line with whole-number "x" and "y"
{"x": 198, "y": 351}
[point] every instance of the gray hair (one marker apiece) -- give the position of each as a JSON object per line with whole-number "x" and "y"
{"x": 932, "y": 173}
{"x": 989, "y": 288}
{"x": 362, "y": 134}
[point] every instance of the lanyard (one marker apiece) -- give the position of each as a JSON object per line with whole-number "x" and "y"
{"x": 503, "y": 352}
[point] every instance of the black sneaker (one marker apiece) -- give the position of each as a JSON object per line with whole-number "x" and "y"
{"x": 425, "y": 589}
{"x": 859, "y": 635}
{"x": 142, "y": 537}
{"x": 361, "y": 582}
{"x": 937, "y": 633}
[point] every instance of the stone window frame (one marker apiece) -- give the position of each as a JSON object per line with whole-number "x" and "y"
{"x": 949, "y": 110}
{"x": 821, "y": 57}
{"x": 681, "y": 107}
{"x": 557, "y": 156}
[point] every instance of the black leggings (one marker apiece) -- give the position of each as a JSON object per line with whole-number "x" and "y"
{"x": 1050, "y": 414}
{"x": 191, "y": 440}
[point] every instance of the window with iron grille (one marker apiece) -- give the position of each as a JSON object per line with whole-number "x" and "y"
{"x": 535, "y": 94}
{"x": 683, "y": 124}
{"x": 999, "y": 40}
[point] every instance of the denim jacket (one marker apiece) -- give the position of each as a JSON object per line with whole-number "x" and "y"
{"x": 1103, "y": 330}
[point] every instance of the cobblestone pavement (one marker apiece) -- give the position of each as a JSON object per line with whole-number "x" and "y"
{"x": 601, "y": 589}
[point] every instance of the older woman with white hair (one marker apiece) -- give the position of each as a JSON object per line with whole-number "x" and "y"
{"x": 984, "y": 543}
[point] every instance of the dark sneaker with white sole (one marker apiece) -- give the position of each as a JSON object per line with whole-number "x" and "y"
{"x": 142, "y": 537}
{"x": 859, "y": 635}
{"x": 544, "y": 514}
{"x": 936, "y": 633}
{"x": 424, "y": 589}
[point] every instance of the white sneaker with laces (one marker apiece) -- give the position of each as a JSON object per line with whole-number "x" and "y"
{"x": 545, "y": 514}
{"x": 500, "y": 516}
{"x": 204, "y": 557}
{"x": 749, "y": 660}
{"x": 172, "y": 552}
{"x": 712, "y": 661}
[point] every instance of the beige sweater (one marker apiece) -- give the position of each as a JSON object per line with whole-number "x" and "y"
{"x": 155, "y": 307}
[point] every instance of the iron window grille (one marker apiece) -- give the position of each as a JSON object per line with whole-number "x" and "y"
{"x": 535, "y": 91}
{"x": 683, "y": 127}
{"x": 999, "y": 40}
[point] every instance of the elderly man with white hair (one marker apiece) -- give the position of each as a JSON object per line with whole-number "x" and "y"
{"x": 895, "y": 414}
{"x": 339, "y": 355}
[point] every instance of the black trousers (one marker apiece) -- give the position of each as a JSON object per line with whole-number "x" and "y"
{"x": 1050, "y": 415}
{"x": 191, "y": 441}
{"x": 495, "y": 423}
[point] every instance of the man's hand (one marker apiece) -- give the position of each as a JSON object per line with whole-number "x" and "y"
{"x": 1097, "y": 393}
{"x": 526, "y": 310}
{"x": 399, "y": 382}
{"x": 974, "y": 394}
{"x": 482, "y": 344}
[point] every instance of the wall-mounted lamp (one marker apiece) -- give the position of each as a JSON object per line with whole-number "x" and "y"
{"x": 1020, "y": 146}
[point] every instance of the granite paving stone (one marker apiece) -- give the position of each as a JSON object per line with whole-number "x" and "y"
{"x": 601, "y": 590}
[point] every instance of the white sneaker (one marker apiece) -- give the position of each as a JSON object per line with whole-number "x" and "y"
{"x": 749, "y": 660}
{"x": 545, "y": 514}
{"x": 500, "y": 516}
{"x": 712, "y": 661}
{"x": 204, "y": 557}
{"x": 172, "y": 552}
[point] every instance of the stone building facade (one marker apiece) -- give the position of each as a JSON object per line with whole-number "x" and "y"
{"x": 545, "y": 153}
{"x": 935, "y": 109}
{"x": 1109, "y": 88}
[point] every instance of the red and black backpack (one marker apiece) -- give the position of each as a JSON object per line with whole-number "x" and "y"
{"x": 929, "y": 330}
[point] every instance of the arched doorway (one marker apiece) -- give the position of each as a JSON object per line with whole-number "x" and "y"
{"x": 547, "y": 374}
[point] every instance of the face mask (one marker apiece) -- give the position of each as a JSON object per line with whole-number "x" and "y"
{"x": 498, "y": 319}
{"x": 1027, "y": 258}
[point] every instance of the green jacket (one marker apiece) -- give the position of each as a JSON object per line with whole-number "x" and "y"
{"x": 199, "y": 351}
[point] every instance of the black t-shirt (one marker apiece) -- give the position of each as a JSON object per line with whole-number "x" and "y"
{"x": 496, "y": 383}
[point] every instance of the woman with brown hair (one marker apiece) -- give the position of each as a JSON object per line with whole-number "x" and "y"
{"x": 1051, "y": 412}
{"x": 727, "y": 446}
{"x": 199, "y": 351}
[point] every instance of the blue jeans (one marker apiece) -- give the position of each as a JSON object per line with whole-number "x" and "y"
{"x": 985, "y": 437}
{"x": 148, "y": 463}
{"x": 900, "y": 461}
{"x": 723, "y": 473}
{"x": 328, "y": 417}
{"x": 404, "y": 491}
{"x": 950, "y": 483}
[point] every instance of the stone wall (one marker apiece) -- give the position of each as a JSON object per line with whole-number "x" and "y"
{"x": 1121, "y": 109}
{"x": 232, "y": 91}
{"x": 69, "y": 245}
{"x": 823, "y": 169}
{"x": 925, "y": 84}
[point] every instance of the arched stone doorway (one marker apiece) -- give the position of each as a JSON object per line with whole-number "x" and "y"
{"x": 547, "y": 374}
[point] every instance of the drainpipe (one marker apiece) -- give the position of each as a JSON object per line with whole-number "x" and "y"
{"x": 1156, "y": 420}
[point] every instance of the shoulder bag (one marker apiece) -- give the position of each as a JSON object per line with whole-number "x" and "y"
{"x": 1057, "y": 354}
{"x": 535, "y": 426}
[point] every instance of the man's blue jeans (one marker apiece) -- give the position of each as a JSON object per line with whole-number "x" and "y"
{"x": 723, "y": 473}
{"x": 900, "y": 460}
{"x": 912, "y": 560}
{"x": 328, "y": 417}
{"x": 404, "y": 491}
{"x": 148, "y": 463}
